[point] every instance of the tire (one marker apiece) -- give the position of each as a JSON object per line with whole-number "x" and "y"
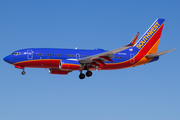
{"x": 88, "y": 73}
{"x": 81, "y": 76}
{"x": 23, "y": 72}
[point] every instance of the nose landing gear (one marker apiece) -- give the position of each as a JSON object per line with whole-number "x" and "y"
{"x": 20, "y": 67}
{"x": 23, "y": 72}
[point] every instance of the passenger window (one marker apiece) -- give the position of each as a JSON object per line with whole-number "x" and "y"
{"x": 16, "y": 53}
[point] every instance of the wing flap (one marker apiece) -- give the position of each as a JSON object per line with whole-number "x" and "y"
{"x": 106, "y": 58}
{"x": 99, "y": 61}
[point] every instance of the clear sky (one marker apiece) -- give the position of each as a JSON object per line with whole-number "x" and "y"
{"x": 148, "y": 92}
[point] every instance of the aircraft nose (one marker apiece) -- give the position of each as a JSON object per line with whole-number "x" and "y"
{"x": 7, "y": 59}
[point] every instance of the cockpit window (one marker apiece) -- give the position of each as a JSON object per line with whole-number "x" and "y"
{"x": 16, "y": 53}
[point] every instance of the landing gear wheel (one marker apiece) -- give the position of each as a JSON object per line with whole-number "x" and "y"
{"x": 88, "y": 73}
{"x": 81, "y": 76}
{"x": 23, "y": 72}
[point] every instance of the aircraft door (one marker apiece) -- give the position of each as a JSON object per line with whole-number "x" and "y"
{"x": 132, "y": 58}
{"x": 29, "y": 54}
{"x": 77, "y": 56}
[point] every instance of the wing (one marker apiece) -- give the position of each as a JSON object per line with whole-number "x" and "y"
{"x": 102, "y": 57}
{"x": 97, "y": 59}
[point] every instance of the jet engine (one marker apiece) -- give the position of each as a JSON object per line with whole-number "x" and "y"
{"x": 69, "y": 65}
{"x": 58, "y": 71}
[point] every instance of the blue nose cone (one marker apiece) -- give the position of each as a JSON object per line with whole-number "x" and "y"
{"x": 7, "y": 59}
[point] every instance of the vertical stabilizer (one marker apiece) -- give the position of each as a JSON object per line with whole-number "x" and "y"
{"x": 149, "y": 42}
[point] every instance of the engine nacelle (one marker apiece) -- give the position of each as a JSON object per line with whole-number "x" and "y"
{"x": 57, "y": 71}
{"x": 69, "y": 65}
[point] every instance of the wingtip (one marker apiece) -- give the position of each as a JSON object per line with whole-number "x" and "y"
{"x": 172, "y": 49}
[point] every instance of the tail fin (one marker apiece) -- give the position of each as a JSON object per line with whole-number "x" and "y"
{"x": 149, "y": 42}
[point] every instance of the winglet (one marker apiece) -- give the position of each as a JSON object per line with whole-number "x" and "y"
{"x": 158, "y": 54}
{"x": 133, "y": 41}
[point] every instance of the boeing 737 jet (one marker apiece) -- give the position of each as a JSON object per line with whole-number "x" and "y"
{"x": 64, "y": 61}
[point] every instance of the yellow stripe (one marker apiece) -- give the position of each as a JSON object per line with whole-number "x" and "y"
{"x": 140, "y": 62}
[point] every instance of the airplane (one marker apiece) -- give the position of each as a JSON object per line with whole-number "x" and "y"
{"x": 64, "y": 61}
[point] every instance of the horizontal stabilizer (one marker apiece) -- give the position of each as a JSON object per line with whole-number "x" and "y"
{"x": 158, "y": 54}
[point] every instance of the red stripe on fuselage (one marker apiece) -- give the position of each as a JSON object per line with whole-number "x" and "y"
{"x": 42, "y": 63}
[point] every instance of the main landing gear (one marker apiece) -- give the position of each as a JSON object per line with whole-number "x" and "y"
{"x": 88, "y": 74}
{"x": 82, "y": 76}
